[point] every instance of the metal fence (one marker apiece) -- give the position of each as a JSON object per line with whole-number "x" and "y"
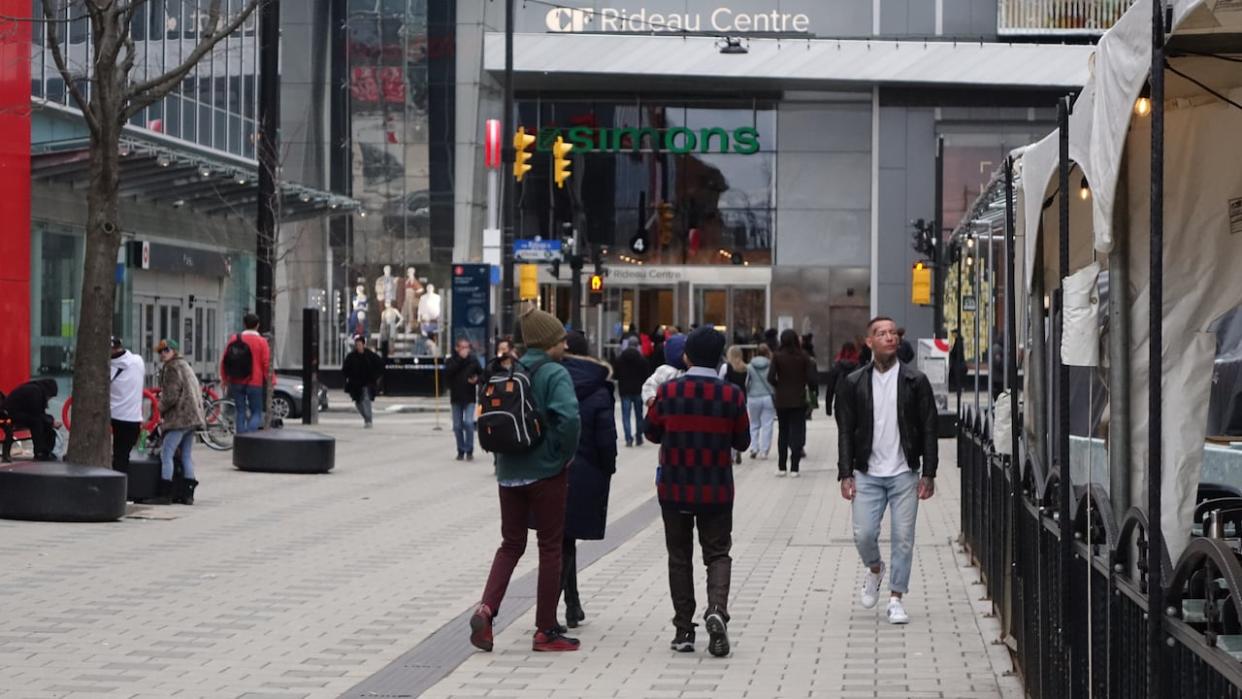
{"x": 1085, "y": 17}
{"x": 1012, "y": 529}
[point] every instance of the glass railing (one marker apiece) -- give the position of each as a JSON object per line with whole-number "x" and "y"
{"x": 1085, "y": 17}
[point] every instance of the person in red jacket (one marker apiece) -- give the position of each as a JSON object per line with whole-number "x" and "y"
{"x": 699, "y": 420}
{"x": 246, "y": 369}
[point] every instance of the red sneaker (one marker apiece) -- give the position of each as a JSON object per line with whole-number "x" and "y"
{"x": 481, "y": 628}
{"x": 554, "y": 641}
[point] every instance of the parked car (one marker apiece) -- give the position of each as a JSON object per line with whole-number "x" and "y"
{"x": 287, "y": 398}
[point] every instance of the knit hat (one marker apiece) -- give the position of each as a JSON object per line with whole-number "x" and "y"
{"x": 704, "y": 347}
{"x": 577, "y": 344}
{"x": 541, "y": 330}
{"x": 674, "y": 347}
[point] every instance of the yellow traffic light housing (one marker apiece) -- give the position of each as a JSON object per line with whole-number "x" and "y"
{"x": 560, "y": 161}
{"x": 528, "y": 282}
{"x": 596, "y": 288}
{"x": 521, "y": 161}
{"x": 664, "y": 222}
{"x": 920, "y": 284}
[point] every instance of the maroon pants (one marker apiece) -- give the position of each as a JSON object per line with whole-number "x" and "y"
{"x": 542, "y": 502}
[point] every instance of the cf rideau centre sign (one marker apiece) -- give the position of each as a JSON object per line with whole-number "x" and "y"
{"x": 721, "y": 19}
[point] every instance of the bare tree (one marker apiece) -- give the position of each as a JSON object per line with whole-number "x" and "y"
{"x": 112, "y": 99}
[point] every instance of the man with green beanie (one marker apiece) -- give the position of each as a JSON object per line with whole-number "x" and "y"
{"x": 533, "y": 487}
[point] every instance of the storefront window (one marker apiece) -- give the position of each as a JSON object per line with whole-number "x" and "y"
{"x": 56, "y": 280}
{"x": 657, "y": 183}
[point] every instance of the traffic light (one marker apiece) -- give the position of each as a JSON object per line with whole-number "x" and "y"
{"x": 521, "y": 160}
{"x": 664, "y": 222}
{"x": 528, "y": 282}
{"x": 921, "y": 284}
{"x": 560, "y": 161}
{"x": 596, "y": 289}
{"x": 922, "y": 237}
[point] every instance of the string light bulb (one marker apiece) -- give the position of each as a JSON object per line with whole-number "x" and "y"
{"x": 1084, "y": 191}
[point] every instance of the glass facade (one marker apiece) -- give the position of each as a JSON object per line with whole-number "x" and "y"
{"x": 215, "y": 106}
{"x": 657, "y": 182}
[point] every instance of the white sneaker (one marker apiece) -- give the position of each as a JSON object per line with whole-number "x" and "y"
{"x": 897, "y": 612}
{"x": 795, "y": 474}
{"x": 870, "y": 593}
{"x": 781, "y": 474}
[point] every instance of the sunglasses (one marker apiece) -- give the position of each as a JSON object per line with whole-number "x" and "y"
{"x": 166, "y": 349}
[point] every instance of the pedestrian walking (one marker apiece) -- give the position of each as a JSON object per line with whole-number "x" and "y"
{"x": 843, "y": 365}
{"x": 812, "y": 386}
{"x": 791, "y": 372}
{"x": 905, "y": 350}
{"x": 128, "y": 373}
{"x": 698, "y": 420}
{"x": 886, "y": 425}
{"x": 533, "y": 487}
{"x": 27, "y": 407}
{"x": 734, "y": 371}
{"x": 760, "y": 409}
{"x": 363, "y": 369}
{"x": 631, "y": 369}
{"x": 246, "y": 369}
{"x": 590, "y": 474}
{"x": 673, "y": 367}
{"x": 181, "y": 417}
{"x": 462, "y": 372}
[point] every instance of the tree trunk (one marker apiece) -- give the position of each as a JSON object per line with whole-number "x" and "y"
{"x": 90, "y": 440}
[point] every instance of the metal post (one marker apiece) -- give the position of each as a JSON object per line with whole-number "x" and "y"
{"x": 961, "y": 336}
{"x": 509, "y": 202}
{"x": 575, "y": 284}
{"x": 939, "y": 249}
{"x": 1011, "y": 330}
{"x": 310, "y": 366}
{"x": 978, "y": 289}
{"x": 1155, "y": 534}
{"x": 268, "y": 152}
{"x": 1063, "y": 403}
{"x": 1119, "y": 359}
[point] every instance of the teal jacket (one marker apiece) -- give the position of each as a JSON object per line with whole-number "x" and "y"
{"x": 554, "y": 397}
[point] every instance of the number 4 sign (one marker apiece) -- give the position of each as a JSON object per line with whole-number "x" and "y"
{"x": 638, "y": 244}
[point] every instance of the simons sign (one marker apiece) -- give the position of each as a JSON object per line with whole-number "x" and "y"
{"x": 677, "y": 139}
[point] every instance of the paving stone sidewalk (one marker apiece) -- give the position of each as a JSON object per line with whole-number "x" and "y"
{"x": 797, "y": 630}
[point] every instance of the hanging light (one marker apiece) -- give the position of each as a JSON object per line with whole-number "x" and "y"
{"x": 1084, "y": 192}
{"x": 1142, "y": 106}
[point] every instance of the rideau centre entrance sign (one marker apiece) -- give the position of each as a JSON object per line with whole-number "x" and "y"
{"x": 642, "y": 20}
{"x": 677, "y": 139}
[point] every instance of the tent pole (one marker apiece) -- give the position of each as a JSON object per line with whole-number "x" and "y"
{"x": 1011, "y": 383}
{"x": 1119, "y": 359}
{"x": 1155, "y": 534}
{"x": 1062, "y": 392}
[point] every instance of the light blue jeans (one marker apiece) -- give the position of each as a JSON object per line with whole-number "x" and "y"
{"x": 871, "y": 497}
{"x": 762, "y": 415}
{"x": 463, "y": 427}
{"x": 249, "y": 403}
{"x": 172, "y": 440}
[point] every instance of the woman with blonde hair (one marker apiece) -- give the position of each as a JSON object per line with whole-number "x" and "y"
{"x": 734, "y": 371}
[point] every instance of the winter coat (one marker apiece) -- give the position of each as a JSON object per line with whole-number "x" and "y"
{"x": 757, "y": 385}
{"x": 737, "y": 378}
{"x": 362, "y": 371}
{"x": 552, "y": 392}
{"x": 662, "y": 375}
{"x": 31, "y": 398}
{"x": 457, "y": 374}
{"x": 586, "y": 510}
{"x": 181, "y": 397}
{"x": 631, "y": 370}
{"x": 791, "y": 374}
{"x": 840, "y": 369}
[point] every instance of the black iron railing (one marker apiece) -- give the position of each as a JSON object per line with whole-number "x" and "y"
{"x": 1102, "y": 651}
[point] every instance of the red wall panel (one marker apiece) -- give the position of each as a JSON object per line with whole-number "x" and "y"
{"x": 14, "y": 194}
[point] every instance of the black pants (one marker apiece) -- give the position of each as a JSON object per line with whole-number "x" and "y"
{"x": 716, "y": 538}
{"x": 124, "y": 437}
{"x": 791, "y": 436}
{"x": 569, "y": 572}
{"x": 42, "y": 431}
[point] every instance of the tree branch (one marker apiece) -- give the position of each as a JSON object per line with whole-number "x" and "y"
{"x": 147, "y": 93}
{"x": 51, "y": 8}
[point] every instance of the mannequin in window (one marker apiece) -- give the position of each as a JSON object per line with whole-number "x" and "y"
{"x": 357, "y": 324}
{"x": 386, "y": 286}
{"x": 411, "y": 290}
{"x": 390, "y": 322}
{"x": 429, "y": 312}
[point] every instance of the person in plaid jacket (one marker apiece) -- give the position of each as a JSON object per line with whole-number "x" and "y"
{"x": 698, "y": 420}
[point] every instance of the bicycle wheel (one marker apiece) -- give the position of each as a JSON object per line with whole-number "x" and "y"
{"x": 221, "y": 425}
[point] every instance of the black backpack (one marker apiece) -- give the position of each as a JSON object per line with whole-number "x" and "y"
{"x": 509, "y": 422}
{"x": 238, "y": 361}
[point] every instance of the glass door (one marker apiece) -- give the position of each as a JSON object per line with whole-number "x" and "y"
{"x": 738, "y": 312}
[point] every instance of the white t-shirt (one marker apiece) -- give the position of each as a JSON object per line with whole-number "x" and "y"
{"x": 127, "y": 373}
{"x": 887, "y": 458}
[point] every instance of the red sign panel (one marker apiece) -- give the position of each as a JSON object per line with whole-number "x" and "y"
{"x": 491, "y": 144}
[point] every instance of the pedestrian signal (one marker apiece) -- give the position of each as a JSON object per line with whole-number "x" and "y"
{"x": 596, "y": 289}
{"x": 920, "y": 284}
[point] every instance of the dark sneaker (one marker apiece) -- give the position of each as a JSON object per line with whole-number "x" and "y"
{"x": 574, "y": 615}
{"x": 553, "y": 641}
{"x": 683, "y": 642}
{"x": 717, "y": 635}
{"x": 461, "y": 456}
{"x": 481, "y": 628}
{"x": 469, "y": 456}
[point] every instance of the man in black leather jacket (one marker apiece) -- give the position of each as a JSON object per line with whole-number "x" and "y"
{"x": 886, "y": 421}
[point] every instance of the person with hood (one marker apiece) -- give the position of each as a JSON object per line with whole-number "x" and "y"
{"x": 843, "y": 365}
{"x": 792, "y": 371}
{"x": 362, "y": 369}
{"x": 462, "y": 372}
{"x": 759, "y": 406}
{"x": 905, "y": 350}
{"x": 590, "y": 473}
{"x": 673, "y": 367}
{"x": 631, "y": 370}
{"x": 128, "y": 373}
{"x": 181, "y": 417}
{"x": 27, "y": 407}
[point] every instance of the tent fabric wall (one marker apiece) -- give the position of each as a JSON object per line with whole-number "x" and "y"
{"x": 1080, "y": 335}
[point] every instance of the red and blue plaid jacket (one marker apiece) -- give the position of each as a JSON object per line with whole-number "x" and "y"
{"x": 698, "y": 421}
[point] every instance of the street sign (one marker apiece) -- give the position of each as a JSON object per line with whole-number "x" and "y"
{"x": 968, "y": 303}
{"x": 491, "y": 144}
{"x": 471, "y": 304}
{"x": 536, "y": 250}
{"x": 639, "y": 243}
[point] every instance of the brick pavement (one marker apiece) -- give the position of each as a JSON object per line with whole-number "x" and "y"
{"x": 303, "y": 586}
